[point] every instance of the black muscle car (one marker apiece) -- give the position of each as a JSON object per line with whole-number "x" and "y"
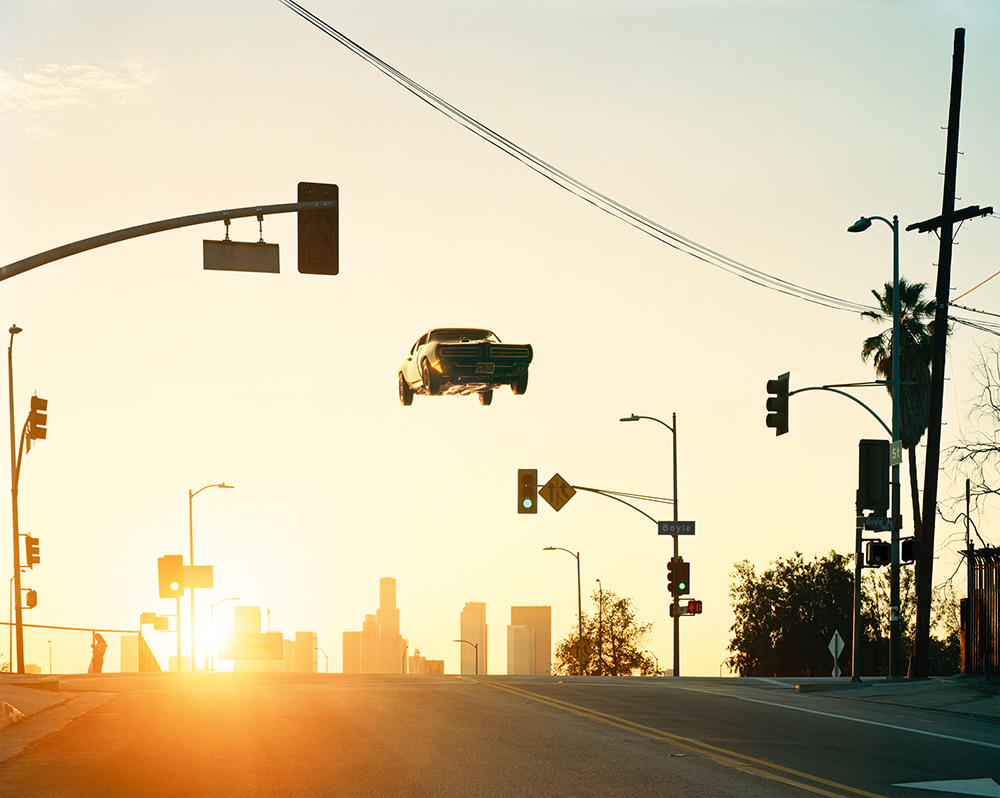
{"x": 462, "y": 360}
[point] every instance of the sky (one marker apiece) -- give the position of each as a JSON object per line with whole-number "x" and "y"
{"x": 759, "y": 129}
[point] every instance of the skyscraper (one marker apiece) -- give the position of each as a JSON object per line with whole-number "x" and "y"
{"x": 539, "y": 621}
{"x": 473, "y": 624}
{"x": 378, "y": 647}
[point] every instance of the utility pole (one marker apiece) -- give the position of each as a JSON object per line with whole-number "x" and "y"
{"x": 945, "y": 225}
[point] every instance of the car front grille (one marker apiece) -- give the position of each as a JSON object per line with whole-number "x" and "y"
{"x": 460, "y": 350}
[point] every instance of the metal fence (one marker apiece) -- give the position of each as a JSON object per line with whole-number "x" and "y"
{"x": 981, "y": 614}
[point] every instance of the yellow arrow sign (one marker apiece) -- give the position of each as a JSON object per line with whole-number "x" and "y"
{"x": 557, "y": 491}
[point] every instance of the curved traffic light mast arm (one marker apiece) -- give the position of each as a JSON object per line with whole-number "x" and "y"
{"x": 611, "y": 495}
{"x": 849, "y": 396}
{"x": 26, "y": 264}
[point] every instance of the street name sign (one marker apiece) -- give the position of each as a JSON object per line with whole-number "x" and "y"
{"x": 240, "y": 256}
{"x": 876, "y": 523}
{"x": 200, "y": 576}
{"x": 557, "y": 491}
{"x": 675, "y": 527}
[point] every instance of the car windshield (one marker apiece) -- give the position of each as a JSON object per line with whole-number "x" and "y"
{"x": 463, "y": 334}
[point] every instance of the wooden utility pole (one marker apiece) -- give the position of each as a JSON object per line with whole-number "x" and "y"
{"x": 945, "y": 225}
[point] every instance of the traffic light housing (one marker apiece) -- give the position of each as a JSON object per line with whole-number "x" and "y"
{"x": 318, "y": 239}
{"x": 909, "y": 550}
{"x": 527, "y": 490}
{"x": 873, "y": 476}
{"x": 32, "y": 599}
{"x": 777, "y": 404}
{"x": 683, "y": 578}
{"x": 171, "y": 575}
{"x": 694, "y": 607}
{"x": 678, "y": 576}
{"x": 161, "y": 623}
{"x": 37, "y": 418}
{"x": 31, "y": 555}
{"x": 877, "y": 553}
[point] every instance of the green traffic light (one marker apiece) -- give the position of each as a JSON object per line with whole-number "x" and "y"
{"x": 527, "y": 504}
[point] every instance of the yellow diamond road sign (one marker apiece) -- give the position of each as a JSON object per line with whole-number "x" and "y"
{"x": 557, "y": 491}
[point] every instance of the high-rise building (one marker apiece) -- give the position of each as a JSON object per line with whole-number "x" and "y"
{"x": 378, "y": 647}
{"x": 539, "y": 621}
{"x": 474, "y": 631}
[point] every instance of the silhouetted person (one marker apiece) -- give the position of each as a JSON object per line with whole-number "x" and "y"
{"x": 97, "y": 659}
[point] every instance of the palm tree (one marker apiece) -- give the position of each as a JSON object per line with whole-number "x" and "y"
{"x": 916, "y": 331}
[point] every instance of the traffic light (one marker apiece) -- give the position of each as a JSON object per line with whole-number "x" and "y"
{"x": 877, "y": 553}
{"x": 694, "y": 607}
{"x": 777, "y": 404}
{"x": 909, "y": 550}
{"x": 37, "y": 418}
{"x": 527, "y": 490}
{"x": 32, "y": 599}
{"x": 171, "y": 574}
{"x": 161, "y": 623}
{"x": 31, "y": 551}
{"x": 318, "y": 230}
{"x": 873, "y": 476}
{"x": 683, "y": 578}
{"x": 678, "y": 576}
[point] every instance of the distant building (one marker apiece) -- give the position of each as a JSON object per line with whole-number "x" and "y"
{"x": 418, "y": 665}
{"x": 474, "y": 630}
{"x": 529, "y": 641}
{"x": 378, "y": 647}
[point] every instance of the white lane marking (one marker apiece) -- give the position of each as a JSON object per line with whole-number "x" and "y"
{"x": 984, "y": 787}
{"x": 845, "y": 717}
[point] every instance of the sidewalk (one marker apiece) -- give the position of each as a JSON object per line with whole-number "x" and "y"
{"x": 959, "y": 695}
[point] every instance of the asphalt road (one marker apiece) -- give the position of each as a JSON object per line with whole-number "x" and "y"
{"x": 319, "y": 735}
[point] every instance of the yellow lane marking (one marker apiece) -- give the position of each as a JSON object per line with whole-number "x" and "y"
{"x": 720, "y": 755}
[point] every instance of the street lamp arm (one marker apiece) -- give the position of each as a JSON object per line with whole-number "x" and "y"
{"x": 634, "y": 417}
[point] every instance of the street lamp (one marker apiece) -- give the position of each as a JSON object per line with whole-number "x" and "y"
{"x": 18, "y": 628}
{"x": 191, "y": 561}
{"x": 655, "y": 659}
{"x": 859, "y": 226}
{"x": 475, "y": 646}
{"x": 212, "y": 624}
{"x": 579, "y": 604}
{"x": 676, "y": 599}
{"x": 327, "y": 659}
{"x": 600, "y": 628}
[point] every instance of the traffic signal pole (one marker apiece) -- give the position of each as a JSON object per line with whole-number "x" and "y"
{"x": 26, "y": 264}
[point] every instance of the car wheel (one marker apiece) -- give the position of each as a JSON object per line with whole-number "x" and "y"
{"x": 485, "y": 397}
{"x": 429, "y": 379}
{"x": 520, "y": 384}
{"x": 405, "y": 391}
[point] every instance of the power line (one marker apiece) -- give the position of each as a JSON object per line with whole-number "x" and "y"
{"x": 567, "y": 182}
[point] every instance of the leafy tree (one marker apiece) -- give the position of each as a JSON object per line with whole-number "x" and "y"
{"x": 612, "y": 641}
{"x": 916, "y": 330}
{"x": 786, "y": 617}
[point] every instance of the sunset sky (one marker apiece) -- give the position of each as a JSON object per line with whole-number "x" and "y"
{"x": 760, "y": 129}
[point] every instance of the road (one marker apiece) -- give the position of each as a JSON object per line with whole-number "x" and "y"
{"x": 338, "y": 735}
